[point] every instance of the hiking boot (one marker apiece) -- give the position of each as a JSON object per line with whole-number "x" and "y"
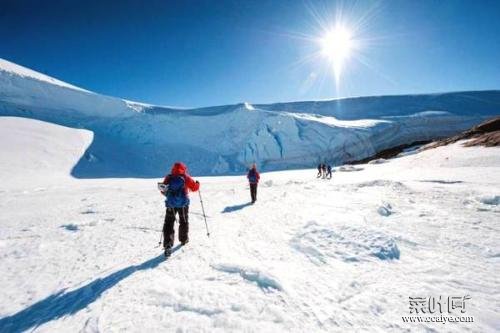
{"x": 168, "y": 252}
{"x": 185, "y": 242}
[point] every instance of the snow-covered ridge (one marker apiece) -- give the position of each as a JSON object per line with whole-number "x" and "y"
{"x": 15, "y": 69}
{"x": 466, "y": 102}
{"x": 141, "y": 140}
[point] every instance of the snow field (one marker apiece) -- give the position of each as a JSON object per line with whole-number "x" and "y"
{"x": 310, "y": 255}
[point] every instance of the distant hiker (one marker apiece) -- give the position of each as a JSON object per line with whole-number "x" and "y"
{"x": 320, "y": 168}
{"x": 329, "y": 171}
{"x": 323, "y": 169}
{"x": 253, "y": 178}
{"x": 178, "y": 183}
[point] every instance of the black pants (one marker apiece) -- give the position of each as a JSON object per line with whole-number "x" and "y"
{"x": 253, "y": 192}
{"x": 168, "y": 226}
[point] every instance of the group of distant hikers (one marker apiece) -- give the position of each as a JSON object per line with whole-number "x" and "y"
{"x": 175, "y": 188}
{"x": 324, "y": 171}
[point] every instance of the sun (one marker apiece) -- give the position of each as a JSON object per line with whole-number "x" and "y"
{"x": 336, "y": 46}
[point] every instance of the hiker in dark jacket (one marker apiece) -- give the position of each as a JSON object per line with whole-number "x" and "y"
{"x": 253, "y": 178}
{"x": 329, "y": 171}
{"x": 320, "y": 167}
{"x": 178, "y": 183}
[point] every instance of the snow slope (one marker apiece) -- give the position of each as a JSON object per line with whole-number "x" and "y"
{"x": 312, "y": 255}
{"x": 60, "y": 149}
{"x": 15, "y": 70}
{"x": 132, "y": 139}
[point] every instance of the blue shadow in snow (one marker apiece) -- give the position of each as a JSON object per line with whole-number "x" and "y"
{"x": 70, "y": 227}
{"x": 440, "y": 181}
{"x": 65, "y": 303}
{"x": 230, "y": 209}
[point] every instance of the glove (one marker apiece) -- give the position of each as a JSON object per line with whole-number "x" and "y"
{"x": 197, "y": 182}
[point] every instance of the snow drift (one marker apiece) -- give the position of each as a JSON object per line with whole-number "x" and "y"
{"x": 137, "y": 140}
{"x": 34, "y": 150}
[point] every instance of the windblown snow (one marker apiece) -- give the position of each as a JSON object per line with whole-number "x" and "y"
{"x": 132, "y": 139}
{"x": 312, "y": 255}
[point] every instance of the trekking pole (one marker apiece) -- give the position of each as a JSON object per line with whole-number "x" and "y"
{"x": 204, "y": 216}
{"x": 161, "y": 238}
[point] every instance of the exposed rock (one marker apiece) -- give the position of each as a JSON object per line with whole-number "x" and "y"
{"x": 485, "y": 134}
{"x": 487, "y": 139}
{"x": 389, "y": 153}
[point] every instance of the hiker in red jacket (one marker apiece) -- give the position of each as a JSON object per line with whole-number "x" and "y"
{"x": 178, "y": 183}
{"x": 253, "y": 178}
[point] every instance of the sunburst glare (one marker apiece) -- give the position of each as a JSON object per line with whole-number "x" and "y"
{"x": 336, "y": 46}
{"x": 337, "y": 43}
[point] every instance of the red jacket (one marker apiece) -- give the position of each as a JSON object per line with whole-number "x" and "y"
{"x": 257, "y": 176}
{"x": 180, "y": 169}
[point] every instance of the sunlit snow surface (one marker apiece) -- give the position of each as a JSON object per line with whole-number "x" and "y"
{"x": 311, "y": 255}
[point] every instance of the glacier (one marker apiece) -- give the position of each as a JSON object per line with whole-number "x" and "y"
{"x": 132, "y": 139}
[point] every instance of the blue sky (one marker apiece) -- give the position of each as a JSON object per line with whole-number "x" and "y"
{"x": 202, "y": 53}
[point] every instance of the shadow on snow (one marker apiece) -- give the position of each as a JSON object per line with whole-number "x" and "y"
{"x": 230, "y": 209}
{"x": 65, "y": 303}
